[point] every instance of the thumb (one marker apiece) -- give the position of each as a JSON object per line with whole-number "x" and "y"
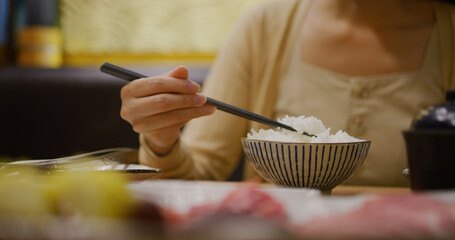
{"x": 180, "y": 72}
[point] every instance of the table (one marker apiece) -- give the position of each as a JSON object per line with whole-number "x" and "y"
{"x": 353, "y": 190}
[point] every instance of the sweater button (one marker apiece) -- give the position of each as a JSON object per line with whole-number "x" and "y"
{"x": 359, "y": 91}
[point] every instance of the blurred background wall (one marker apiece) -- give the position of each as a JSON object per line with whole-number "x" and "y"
{"x": 87, "y": 32}
{"x": 147, "y": 30}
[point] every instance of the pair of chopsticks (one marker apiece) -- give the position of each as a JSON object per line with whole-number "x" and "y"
{"x": 130, "y": 76}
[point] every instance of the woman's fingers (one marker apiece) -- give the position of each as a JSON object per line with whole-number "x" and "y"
{"x": 160, "y": 103}
{"x": 167, "y": 119}
{"x": 174, "y": 81}
{"x": 155, "y": 85}
{"x": 179, "y": 72}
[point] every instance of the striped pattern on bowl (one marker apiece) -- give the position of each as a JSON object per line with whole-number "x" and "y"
{"x": 321, "y": 166}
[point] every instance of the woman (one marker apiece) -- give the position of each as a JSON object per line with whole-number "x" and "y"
{"x": 362, "y": 66}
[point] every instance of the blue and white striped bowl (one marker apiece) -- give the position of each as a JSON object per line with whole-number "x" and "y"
{"x": 321, "y": 166}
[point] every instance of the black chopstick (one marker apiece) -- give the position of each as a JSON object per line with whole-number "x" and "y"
{"x": 130, "y": 76}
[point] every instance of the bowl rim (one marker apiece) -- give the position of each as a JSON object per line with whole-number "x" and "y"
{"x": 300, "y": 143}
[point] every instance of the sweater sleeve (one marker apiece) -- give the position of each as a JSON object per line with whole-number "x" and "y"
{"x": 210, "y": 147}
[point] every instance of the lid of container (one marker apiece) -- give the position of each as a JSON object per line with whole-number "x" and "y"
{"x": 437, "y": 117}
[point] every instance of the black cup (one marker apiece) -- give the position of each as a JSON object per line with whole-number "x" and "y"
{"x": 431, "y": 159}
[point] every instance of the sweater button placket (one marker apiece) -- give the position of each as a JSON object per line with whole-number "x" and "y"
{"x": 358, "y": 93}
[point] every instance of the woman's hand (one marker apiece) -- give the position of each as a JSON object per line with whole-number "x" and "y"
{"x": 159, "y": 106}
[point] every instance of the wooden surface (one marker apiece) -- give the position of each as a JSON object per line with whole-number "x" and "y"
{"x": 346, "y": 190}
{"x": 353, "y": 190}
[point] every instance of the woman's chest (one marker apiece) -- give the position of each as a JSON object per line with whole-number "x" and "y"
{"x": 363, "y": 51}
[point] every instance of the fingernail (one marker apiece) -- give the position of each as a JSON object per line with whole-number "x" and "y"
{"x": 199, "y": 99}
{"x": 193, "y": 86}
{"x": 209, "y": 109}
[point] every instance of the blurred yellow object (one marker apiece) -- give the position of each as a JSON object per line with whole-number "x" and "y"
{"x": 21, "y": 193}
{"x": 91, "y": 193}
{"x": 40, "y": 46}
{"x": 26, "y": 191}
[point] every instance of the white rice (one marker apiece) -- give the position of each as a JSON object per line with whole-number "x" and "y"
{"x": 302, "y": 124}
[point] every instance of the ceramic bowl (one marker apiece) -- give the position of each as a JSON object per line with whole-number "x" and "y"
{"x": 320, "y": 166}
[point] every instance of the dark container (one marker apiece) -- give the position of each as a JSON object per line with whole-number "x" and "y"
{"x": 430, "y": 145}
{"x": 431, "y": 159}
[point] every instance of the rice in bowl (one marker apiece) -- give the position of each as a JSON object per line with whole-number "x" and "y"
{"x": 302, "y": 124}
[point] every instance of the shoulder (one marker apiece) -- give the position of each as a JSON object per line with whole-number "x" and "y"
{"x": 270, "y": 17}
{"x": 276, "y": 6}
{"x": 273, "y": 10}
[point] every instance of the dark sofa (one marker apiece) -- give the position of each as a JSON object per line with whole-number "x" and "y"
{"x": 49, "y": 113}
